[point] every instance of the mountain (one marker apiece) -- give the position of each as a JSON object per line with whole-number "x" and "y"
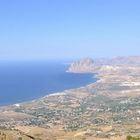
{"x": 85, "y": 65}
{"x": 120, "y": 60}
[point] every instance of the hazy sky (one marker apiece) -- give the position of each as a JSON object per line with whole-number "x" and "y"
{"x": 46, "y": 29}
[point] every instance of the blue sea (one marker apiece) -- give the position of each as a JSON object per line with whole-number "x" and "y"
{"x": 23, "y": 81}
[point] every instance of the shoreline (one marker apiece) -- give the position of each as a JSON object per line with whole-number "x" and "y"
{"x": 64, "y": 92}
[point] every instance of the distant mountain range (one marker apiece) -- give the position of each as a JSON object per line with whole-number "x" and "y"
{"x": 88, "y": 65}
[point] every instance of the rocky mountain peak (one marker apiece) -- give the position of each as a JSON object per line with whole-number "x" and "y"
{"x": 85, "y": 65}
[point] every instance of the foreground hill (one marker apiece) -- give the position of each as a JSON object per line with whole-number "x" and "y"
{"x": 107, "y": 109}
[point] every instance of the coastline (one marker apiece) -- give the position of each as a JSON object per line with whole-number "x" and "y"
{"x": 64, "y": 92}
{"x": 45, "y": 82}
{"x": 98, "y": 105}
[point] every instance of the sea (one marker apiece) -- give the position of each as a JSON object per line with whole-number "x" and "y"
{"x": 24, "y": 81}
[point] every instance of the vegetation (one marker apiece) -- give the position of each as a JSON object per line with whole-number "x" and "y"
{"x": 132, "y": 138}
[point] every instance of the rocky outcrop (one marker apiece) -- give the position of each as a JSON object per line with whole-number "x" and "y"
{"x": 85, "y": 65}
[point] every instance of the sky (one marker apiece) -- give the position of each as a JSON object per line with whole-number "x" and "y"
{"x": 63, "y": 29}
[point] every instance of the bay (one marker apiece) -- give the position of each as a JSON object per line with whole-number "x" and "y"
{"x": 23, "y": 81}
